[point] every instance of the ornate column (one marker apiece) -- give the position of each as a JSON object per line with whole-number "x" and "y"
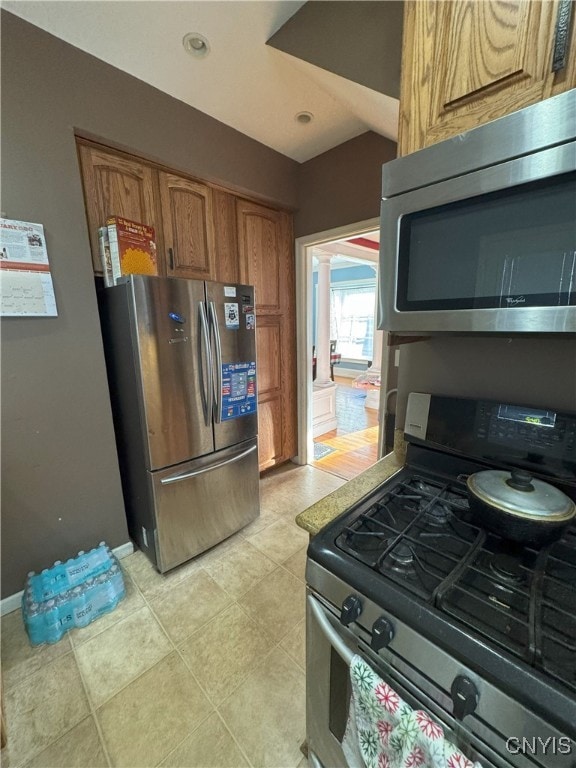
{"x": 323, "y": 324}
{"x": 324, "y": 390}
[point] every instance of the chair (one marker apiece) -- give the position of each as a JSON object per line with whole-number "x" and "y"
{"x": 333, "y": 343}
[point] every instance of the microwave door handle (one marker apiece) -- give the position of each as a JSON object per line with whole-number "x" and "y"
{"x": 206, "y": 390}
{"x": 218, "y": 359}
{"x": 562, "y": 35}
{"x": 332, "y": 636}
{"x": 211, "y": 468}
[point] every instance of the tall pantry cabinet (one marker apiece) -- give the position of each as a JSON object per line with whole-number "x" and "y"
{"x": 206, "y": 232}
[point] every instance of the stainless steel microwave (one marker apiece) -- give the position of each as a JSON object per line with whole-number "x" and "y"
{"x": 478, "y": 232}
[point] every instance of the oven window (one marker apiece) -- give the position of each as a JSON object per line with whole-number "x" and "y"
{"x": 512, "y": 248}
{"x": 340, "y": 692}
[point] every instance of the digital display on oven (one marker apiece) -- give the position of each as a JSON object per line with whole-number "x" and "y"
{"x": 532, "y": 416}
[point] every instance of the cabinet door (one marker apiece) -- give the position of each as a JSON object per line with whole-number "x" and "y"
{"x": 114, "y": 186}
{"x": 468, "y": 62}
{"x": 187, "y": 224}
{"x": 225, "y": 237}
{"x": 265, "y": 246}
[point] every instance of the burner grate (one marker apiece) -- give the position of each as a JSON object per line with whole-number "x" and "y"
{"x": 557, "y": 619}
{"x": 492, "y": 595}
{"x": 416, "y": 534}
{"x": 522, "y": 599}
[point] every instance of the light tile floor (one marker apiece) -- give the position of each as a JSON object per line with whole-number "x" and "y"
{"x": 203, "y": 667}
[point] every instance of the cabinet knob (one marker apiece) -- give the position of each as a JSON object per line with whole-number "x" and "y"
{"x": 351, "y": 610}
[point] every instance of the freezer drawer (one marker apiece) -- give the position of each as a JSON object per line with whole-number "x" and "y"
{"x": 202, "y": 502}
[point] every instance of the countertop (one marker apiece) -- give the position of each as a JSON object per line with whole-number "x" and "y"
{"x": 320, "y": 514}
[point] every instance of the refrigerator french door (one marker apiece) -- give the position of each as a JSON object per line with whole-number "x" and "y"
{"x": 181, "y": 359}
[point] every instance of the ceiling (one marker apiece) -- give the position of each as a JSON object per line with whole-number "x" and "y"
{"x": 350, "y": 252}
{"x": 243, "y": 82}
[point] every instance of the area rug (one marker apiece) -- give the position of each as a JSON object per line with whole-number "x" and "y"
{"x": 321, "y": 450}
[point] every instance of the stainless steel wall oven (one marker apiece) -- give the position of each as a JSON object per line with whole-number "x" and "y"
{"x": 478, "y": 232}
{"x": 476, "y": 630}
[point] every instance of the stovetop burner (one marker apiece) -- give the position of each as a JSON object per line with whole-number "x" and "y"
{"x": 400, "y": 559}
{"x": 506, "y": 568}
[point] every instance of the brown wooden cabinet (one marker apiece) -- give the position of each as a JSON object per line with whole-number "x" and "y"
{"x": 187, "y": 224}
{"x": 225, "y": 237}
{"x": 208, "y": 233}
{"x": 115, "y": 185}
{"x": 467, "y": 62}
{"x": 266, "y": 261}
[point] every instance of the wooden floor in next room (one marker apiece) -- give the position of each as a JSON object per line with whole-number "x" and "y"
{"x": 353, "y": 446}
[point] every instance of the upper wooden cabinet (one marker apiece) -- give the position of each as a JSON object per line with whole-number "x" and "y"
{"x": 187, "y": 222}
{"x": 115, "y": 186}
{"x": 467, "y": 62}
{"x": 225, "y": 237}
{"x": 262, "y": 246}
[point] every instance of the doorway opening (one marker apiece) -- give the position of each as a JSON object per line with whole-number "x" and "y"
{"x": 341, "y": 367}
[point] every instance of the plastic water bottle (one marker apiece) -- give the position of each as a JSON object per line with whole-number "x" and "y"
{"x": 33, "y": 621}
{"x": 52, "y": 621}
{"x": 64, "y": 614}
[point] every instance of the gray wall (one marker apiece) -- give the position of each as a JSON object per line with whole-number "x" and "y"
{"x": 527, "y": 371}
{"x": 60, "y": 482}
{"x": 342, "y": 186}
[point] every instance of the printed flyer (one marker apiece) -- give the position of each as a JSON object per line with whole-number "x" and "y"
{"x": 26, "y": 287}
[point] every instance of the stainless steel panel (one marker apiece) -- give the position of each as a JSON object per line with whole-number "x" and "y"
{"x": 200, "y": 503}
{"x": 425, "y": 671}
{"x": 529, "y": 130}
{"x": 167, "y": 352}
{"x": 231, "y": 343}
{"x": 324, "y": 633}
{"x": 550, "y": 162}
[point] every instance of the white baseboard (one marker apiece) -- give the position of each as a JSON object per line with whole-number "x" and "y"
{"x": 347, "y": 373}
{"x": 13, "y": 602}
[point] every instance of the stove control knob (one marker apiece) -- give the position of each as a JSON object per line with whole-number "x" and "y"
{"x": 351, "y": 609}
{"x": 464, "y": 697}
{"x": 382, "y": 633}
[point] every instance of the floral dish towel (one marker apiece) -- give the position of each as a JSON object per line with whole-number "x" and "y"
{"x": 385, "y": 732}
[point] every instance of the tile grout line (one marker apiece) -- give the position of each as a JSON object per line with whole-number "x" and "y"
{"x": 92, "y": 708}
{"x": 215, "y": 709}
{"x": 35, "y": 754}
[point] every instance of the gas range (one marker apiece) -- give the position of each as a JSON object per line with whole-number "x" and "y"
{"x": 411, "y": 573}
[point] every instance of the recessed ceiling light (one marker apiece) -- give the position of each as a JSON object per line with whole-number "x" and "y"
{"x": 196, "y": 44}
{"x": 304, "y": 117}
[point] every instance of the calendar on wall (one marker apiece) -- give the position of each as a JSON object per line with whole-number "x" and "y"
{"x": 26, "y": 287}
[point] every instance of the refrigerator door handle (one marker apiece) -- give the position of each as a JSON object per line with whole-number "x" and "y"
{"x": 207, "y": 392}
{"x": 218, "y": 346}
{"x": 194, "y": 473}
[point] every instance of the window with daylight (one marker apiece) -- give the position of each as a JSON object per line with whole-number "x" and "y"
{"x": 352, "y": 318}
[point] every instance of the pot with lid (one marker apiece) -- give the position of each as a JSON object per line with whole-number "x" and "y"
{"x": 519, "y": 507}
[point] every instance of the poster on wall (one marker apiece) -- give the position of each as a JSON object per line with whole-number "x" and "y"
{"x": 26, "y": 288}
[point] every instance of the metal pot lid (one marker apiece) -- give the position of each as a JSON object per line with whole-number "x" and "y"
{"x": 519, "y": 494}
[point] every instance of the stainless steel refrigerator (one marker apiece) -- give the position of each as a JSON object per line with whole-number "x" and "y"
{"x": 181, "y": 360}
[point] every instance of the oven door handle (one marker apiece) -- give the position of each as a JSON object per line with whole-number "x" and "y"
{"x": 332, "y": 636}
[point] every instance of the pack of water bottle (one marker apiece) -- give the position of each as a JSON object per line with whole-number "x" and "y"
{"x": 71, "y": 594}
